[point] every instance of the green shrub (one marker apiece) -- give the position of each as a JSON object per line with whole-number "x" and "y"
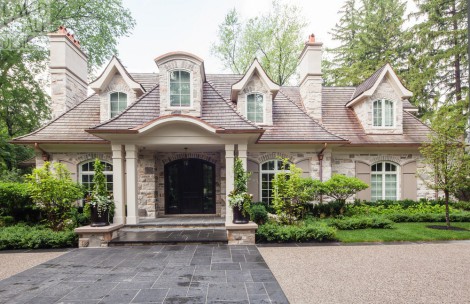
{"x": 462, "y": 216}
{"x": 303, "y": 232}
{"x": 341, "y": 187}
{"x": 54, "y": 192}
{"x": 461, "y": 205}
{"x": 417, "y": 208}
{"x": 329, "y": 209}
{"x": 15, "y": 201}
{"x": 361, "y": 222}
{"x": 6, "y": 220}
{"x": 21, "y": 236}
{"x": 258, "y": 214}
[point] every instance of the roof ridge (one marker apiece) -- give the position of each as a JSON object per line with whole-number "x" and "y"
{"x": 311, "y": 118}
{"x": 126, "y": 109}
{"x": 232, "y": 107}
{"x": 55, "y": 119}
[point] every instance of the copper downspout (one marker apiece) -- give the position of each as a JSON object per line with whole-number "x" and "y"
{"x": 45, "y": 156}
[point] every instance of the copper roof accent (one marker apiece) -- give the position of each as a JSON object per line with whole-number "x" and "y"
{"x": 63, "y": 30}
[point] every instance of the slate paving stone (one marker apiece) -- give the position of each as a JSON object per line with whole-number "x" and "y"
{"x": 153, "y": 274}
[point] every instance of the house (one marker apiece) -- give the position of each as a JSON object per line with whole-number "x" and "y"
{"x": 169, "y": 138}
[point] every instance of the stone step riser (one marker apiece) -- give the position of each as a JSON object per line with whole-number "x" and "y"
{"x": 186, "y": 226}
{"x": 150, "y": 243}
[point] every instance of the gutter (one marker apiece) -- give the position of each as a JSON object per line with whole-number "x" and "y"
{"x": 45, "y": 156}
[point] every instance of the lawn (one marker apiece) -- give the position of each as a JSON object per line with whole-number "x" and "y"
{"x": 404, "y": 232}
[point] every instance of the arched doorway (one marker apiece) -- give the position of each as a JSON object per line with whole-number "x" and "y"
{"x": 190, "y": 187}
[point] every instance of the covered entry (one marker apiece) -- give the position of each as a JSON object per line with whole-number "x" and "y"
{"x": 190, "y": 187}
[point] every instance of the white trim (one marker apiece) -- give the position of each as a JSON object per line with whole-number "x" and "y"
{"x": 90, "y": 173}
{"x": 255, "y": 66}
{"x": 191, "y": 102}
{"x": 109, "y": 102}
{"x": 264, "y": 106}
{"x": 382, "y": 123}
{"x": 100, "y": 84}
{"x": 261, "y": 172}
{"x": 383, "y": 173}
{"x": 168, "y": 119}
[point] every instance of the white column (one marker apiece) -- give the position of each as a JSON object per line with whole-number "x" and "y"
{"x": 229, "y": 180}
{"x": 131, "y": 183}
{"x": 242, "y": 148}
{"x": 118, "y": 184}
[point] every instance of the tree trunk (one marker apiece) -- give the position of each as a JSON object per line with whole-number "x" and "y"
{"x": 446, "y": 193}
{"x": 458, "y": 81}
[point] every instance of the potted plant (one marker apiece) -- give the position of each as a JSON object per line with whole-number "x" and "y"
{"x": 100, "y": 200}
{"x": 239, "y": 199}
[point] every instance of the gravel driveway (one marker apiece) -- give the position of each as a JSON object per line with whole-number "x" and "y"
{"x": 397, "y": 273}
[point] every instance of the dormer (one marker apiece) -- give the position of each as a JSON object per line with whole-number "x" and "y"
{"x": 181, "y": 79}
{"x": 254, "y": 95}
{"x": 379, "y": 102}
{"x": 116, "y": 88}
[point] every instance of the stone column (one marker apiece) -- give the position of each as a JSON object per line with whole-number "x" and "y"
{"x": 118, "y": 184}
{"x": 131, "y": 182}
{"x": 229, "y": 180}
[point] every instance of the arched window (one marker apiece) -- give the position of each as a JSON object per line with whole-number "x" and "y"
{"x": 383, "y": 113}
{"x": 384, "y": 181}
{"x": 180, "y": 89}
{"x": 117, "y": 103}
{"x": 86, "y": 174}
{"x": 268, "y": 171}
{"x": 255, "y": 107}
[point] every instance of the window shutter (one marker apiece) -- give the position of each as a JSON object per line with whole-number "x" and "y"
{"x": 253, "y": 182}
{"x": 305, "y": 166}
{"x": 363, "y": 173}
{"x": 409, "y": 184}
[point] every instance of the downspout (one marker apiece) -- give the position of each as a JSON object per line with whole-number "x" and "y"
{"x": 45, "y": 156}
{"x": 320, "y": 164}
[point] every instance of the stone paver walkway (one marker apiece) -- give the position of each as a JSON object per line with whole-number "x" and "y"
{"x": 172, "y": 236}
{"x": 148, "y": 274}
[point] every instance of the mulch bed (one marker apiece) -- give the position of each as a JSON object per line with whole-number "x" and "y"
{"x": 447, "y": 228}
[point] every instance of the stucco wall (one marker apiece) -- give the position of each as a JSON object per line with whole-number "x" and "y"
{"x": 256, "y": 85}
{"x": 196, "y": 86}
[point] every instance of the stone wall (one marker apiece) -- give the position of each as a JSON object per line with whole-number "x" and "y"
{"x": 196, "y": 86}
{"x": 117, "y": 84}
{"x": 67, "y": 90}
{"x": 256, "y": 85}
{"x": 311, "y": 93}
{"x": 364, "y": 110}
{"x": 146, "y": 184}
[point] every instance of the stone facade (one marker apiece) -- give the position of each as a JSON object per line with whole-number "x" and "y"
{"x": 196, "y": 86}
{"x": 256, "y": 85}
{"x": 117, "y": 84}
{"x": 364, "y": 110}
{"x": 311, "y": 93}
{"x": 67, "y": 90}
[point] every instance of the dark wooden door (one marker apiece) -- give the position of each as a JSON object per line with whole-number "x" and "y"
{"x": 189, "y": 187}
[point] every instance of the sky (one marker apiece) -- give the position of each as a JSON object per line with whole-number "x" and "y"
{"x": 188, "y": 25}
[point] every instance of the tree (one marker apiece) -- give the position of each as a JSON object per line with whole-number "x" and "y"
{"x": 274, "y": 39}
{"x": 447, "y": 163}
{"x": 24, "y": 26}
{"x": 54, "y": 192}
{"x": 440, "y": 57}
{"x": 341, "y": 187}
{"x": 370, "y": 34}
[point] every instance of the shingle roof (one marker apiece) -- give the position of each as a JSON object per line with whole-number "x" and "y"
{"x": 368, "y": 83}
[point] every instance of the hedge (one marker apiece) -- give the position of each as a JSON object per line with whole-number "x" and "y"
{"x": 22, "y": 236}
{"x": 304, "y": 232}
{"x": 352, "y": 223}
{"x": 15, "y": 201}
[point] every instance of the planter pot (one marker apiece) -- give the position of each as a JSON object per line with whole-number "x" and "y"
{"x": 238, "y": 217}
{"x": 99, "y": 219}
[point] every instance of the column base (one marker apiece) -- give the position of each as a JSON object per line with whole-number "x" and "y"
{"x": 241, "y": 234}
{"x": 132, "y": 220}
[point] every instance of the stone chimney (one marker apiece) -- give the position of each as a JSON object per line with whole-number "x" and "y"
{"x": 68, "y": 68}
{"x": 311, "y": 77}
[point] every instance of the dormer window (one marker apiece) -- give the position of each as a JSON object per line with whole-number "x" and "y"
{"x": 383, "y": 113}
{"x": 180, "y": 89}
{"x": 117, "y": 102}
{"x": 255, "y": 107}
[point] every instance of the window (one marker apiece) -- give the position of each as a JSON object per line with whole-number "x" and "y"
{"x": 180, "y": 89}
{"x": 118, "y": 102}
{"x": 383, "y": 113}
{"x": 254, "y": 108}
{"x": 87, "y": 172}
{"x": 384, "y": 181}
{"x": 268, "y": 171}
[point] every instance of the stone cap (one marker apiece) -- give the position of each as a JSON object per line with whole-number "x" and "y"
{"x": 104, "y": 229}
{"x": 249, "y": 226}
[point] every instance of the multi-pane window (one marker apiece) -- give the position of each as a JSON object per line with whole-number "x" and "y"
{"x": 180, "y": 89}
{"x": 87, "y": 172}
{"x": 268, "y": 171}
{"x": 384, "y": 181}
{"x": 383, "y": 113}
{"x": 118, "y": 102}
{"x": 254, "y": 107}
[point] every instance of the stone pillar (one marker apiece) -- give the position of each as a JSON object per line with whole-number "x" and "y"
{"x": 118, "y": 184}
{"x": 131, "y": 183}
{"x": 229, "y": 180}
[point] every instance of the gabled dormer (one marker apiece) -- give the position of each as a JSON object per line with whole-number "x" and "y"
{"x": 116, "y": 88}
{"x": 379, "y": 102}
{"x": 181, "y": 79}
{"x": 254, "y": 95}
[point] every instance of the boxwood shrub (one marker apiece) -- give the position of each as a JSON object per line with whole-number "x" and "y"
{"x": 303, "y": 232}
{"x": 361, "y": 222}
{"x": 21, "y": 236}
{"x": 258, "y": 214}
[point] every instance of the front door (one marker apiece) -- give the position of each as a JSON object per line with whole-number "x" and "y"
{"x": 189, "y": 187}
